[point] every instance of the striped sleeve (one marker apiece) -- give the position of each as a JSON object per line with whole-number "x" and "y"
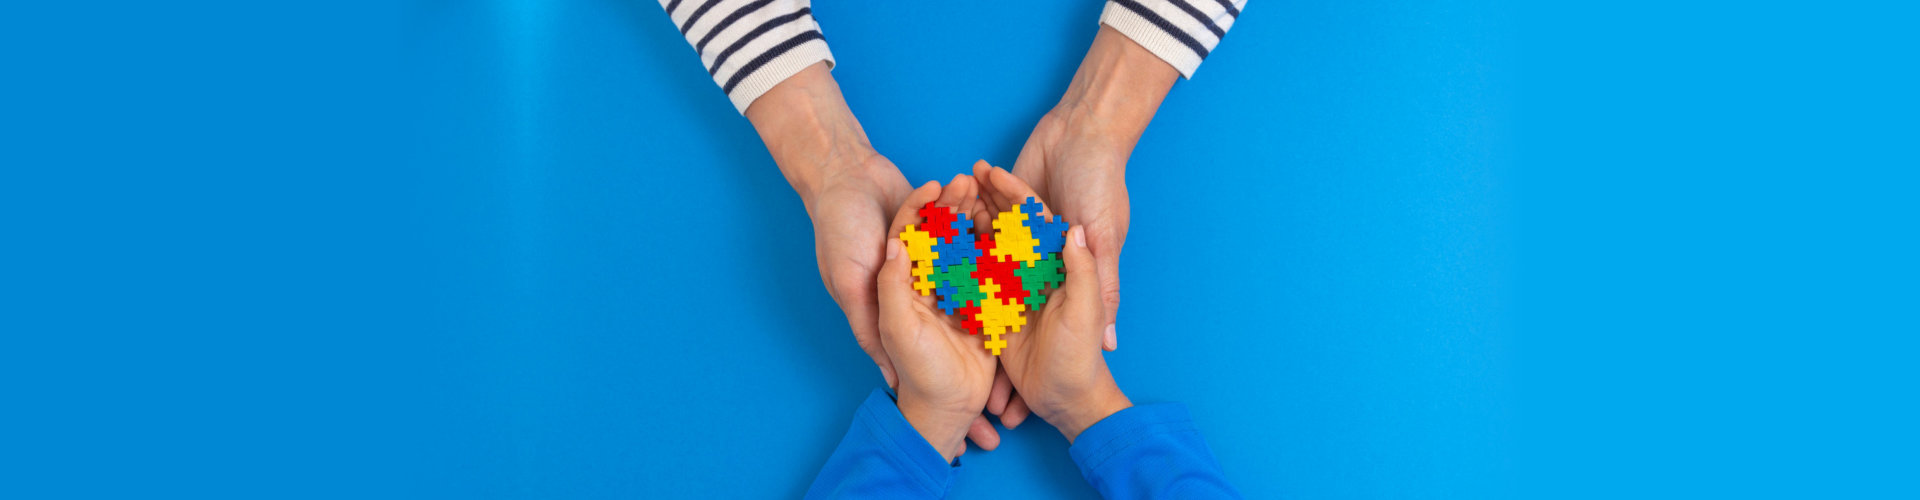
{"x": 748, "y": 46}
{"x": 1181, "y": 32}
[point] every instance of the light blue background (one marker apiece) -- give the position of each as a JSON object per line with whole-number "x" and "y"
{"x": 525, "y": 249}
{"x": 1313, "y": 265}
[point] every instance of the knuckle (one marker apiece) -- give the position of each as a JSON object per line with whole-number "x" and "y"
{"x": 1110, "y": 293}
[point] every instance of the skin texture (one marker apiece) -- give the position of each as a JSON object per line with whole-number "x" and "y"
{"x": 1076, "y": 158}
{"x": 850, "y": 191}
{"x": 945, "y": 375}
{"x": 1056, "y": 364}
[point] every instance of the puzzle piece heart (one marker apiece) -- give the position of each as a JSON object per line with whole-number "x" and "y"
{"x": 989, "y": 280}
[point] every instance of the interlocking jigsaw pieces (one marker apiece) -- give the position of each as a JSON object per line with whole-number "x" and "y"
{"x": 989, "y": 280}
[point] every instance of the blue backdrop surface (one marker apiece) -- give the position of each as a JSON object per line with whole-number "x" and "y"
{"x": 535, "y": 253}
{"x": 1314, "y": 263}
{"x": 525, "y": 249}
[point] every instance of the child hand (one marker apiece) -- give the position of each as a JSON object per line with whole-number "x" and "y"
{"x": 944, "y": 374}
{"x": 1056, "y": 362}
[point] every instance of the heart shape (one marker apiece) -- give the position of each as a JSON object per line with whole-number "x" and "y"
{"x": 990, "y": 279}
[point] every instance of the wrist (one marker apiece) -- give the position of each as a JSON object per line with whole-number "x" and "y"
{"x": 810, "y": 132}
{"x": 1076, "y": 417}
{"x": 1116, "y": 90}
{"x": 946, "y": 431}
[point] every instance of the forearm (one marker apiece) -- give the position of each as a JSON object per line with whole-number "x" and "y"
{"x": 1115, "y": 92}
{"x": 945, "y": 431}
{"x": 810, "y": 131}
{"x": 1075, "y": 418}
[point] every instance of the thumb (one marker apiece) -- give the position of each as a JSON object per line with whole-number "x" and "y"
{"x": 1083, "y": 282}
{"x": 1107, "y": 266}
{"x": 895, "y": 282}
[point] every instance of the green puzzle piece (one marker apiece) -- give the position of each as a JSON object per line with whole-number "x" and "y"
{"x": 960, "y": 277}
{"x": 1043, "y": 274}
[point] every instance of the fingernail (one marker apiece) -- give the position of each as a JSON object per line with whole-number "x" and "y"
{"x": 1080, "y": 238}
{"x": 893, "y": 248}
{"x": 1113, "y": 340}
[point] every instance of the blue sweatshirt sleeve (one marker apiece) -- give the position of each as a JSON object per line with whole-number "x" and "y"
{"x": 883, "y": 457}
{"x": 1150, "y": 451}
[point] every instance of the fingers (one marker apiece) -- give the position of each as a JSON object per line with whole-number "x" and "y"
{"x": 982, "y": 434}
{"x": 909, "y": 211}
{"x": 871, "y": 344}
{"x": 1002, "y": 390}
{"x": 1104, "y": 247}
{"x": 962, "y": 194}
{"x": 1031, "y": 165}
{"x": 895, "y": 282}
{"x": 1083, "y": 280}
{"x": 1107, "y": 267}
{"x": 989, "y": 193}
{"x": 1005, "y": 189}
{"x": 958, "y": 192}
{"x": 1017, "y": 412}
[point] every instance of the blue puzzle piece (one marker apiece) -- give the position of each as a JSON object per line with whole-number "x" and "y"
{"x": 959, "y": 249}
{"x": 1051, "y": 235}
{"x": 960, "y": 224}
{"x": 1031, "y": 207}
{"x": 946, "y": 298}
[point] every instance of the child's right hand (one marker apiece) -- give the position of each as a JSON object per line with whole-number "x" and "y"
{"x": 945, "y": 376}
{"x": 1056, "y": 362}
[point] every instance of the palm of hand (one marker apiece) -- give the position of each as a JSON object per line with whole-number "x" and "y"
{"x": 946, "y": 375}
{"x": 1082, "y": 178}
{"x": 1053, "y": 361}
{"x": 939, "y": 360}
{"x": 850, "y": 214}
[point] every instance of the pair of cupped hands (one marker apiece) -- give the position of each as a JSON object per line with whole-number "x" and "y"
{"x": 1074, "y": 162}
{"x": 945, "y": 379}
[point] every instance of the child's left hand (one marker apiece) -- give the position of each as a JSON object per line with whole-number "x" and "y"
{"x": 944, "y": 374}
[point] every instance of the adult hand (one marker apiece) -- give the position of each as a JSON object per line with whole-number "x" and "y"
{"x": 849, "y": 191}
{"x": 1055, "y": 363}
{"x": 1076, "y": 158}
{"x": 944, "y": 374}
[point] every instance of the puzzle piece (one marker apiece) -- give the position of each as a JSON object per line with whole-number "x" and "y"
{"x": 919, "y": 245}
{"x": 1001, "y": 315}
{"x": 921, "y": 270}
{"x": 999, "y": 270}
{"x": 957, "y": 286}
{"x": 1031, "y": 207}
{"x": 959, "y": 248}
{"x": 990, "y": 279}
{"x": 970, "y": 318}
{"x": 995, "y": 344}
{"x": 939, "y": 221}
{"x": 947, "y": 301}
{"x": 1052, "y": 236}
{"x": 1036, "y": 279}
{"x": 1013, "y": 239}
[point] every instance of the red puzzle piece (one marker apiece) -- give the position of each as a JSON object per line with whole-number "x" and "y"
{"x": 968, "y": 318}
{"x": 939, "y": 222}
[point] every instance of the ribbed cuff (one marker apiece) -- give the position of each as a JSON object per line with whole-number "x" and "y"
{"x": 880, "y": 415}
{"x": 1156, "y": 40}
{"x": 779, "y": 70}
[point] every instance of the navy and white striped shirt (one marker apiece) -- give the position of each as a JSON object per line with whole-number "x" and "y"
{"x": 749, "y": 46}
